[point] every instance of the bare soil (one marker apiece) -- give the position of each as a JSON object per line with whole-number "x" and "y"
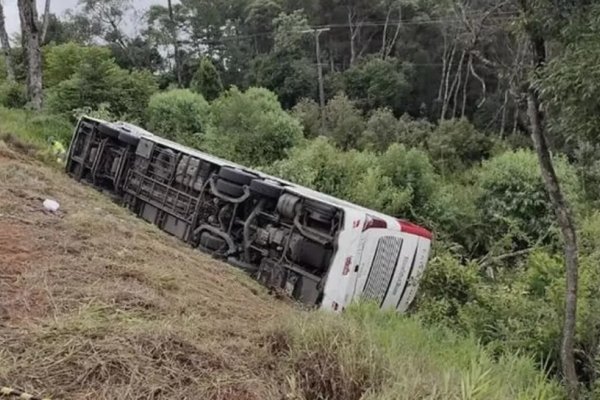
{"x": 97, "y": 304}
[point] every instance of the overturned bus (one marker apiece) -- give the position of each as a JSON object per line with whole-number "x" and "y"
{"x": 315, "y": 248}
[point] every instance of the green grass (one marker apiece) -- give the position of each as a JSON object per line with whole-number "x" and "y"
{"x": 34, "y": 127}
{"x": 369, "y": 354}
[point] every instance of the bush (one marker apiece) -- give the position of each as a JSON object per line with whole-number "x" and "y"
{"x": 251, "y": 127}
{"x": 411, "y": 171}
{"x": 308, "y": 113}
{"x": 381, "y": 131}
{"x": 343, "y": 122}
{"x": 13, "y": 95}
{"x": 414, "y": 133}
{"x": 456, "y": 145}
{"x": 368, "y": 353}
{"x": 126, "y": 93}
{"x": 514, "y": 204}
{"x": 399, "y": 182}
{"x": 178, "y": 114}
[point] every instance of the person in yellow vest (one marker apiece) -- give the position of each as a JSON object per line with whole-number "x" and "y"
{"x": 57, "y": 149}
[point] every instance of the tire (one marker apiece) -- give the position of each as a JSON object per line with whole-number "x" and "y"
{"x": 211, "y": 242}
{"x": 229, "y": 188}
{"x": 108, "y": 131}
{"x": 129, "y": 138}
{"x": 266, "y": 189}
{"x": 236, "y": 176}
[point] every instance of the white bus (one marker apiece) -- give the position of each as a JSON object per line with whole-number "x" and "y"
{"x": 313, "y": 247}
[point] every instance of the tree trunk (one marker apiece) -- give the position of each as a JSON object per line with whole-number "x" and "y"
{"x": 10, "y": 70}
{"x": 564, "y": 218}
{"x": 175, "y": 44}
{"x": 31, "y": 41}
{"x": 46, "y": 21}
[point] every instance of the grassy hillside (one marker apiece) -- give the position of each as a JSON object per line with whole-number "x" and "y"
{"x": 96, "y": 304}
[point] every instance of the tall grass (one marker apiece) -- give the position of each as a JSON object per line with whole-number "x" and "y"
{"x": 35, "y": 128}
{"x": 370, "y": 354}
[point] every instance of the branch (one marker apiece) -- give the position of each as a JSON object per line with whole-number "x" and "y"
{"x": 45, "y": 22}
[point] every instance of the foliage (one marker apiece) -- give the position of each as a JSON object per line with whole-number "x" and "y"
{"x": 343, "y": 122}
{"x": 397, "y": 182}
{"x": 251, "y": 127}
{"x": 371, "y": 354}
{"x": 514, "y": 203}
{"x": 127, "y": 93}
{"x": 307, "y": 111}
{"x": 13, "y": 94}
{"x": 35, "y": 128}
{"x": 456, "y": 145}
{"x": 178, "y": 114}
{"x": 61, "y": 62}
{"x": 414, "y": 132}
{"x": 375, "y": 83}
{"x": 207, "y": 80}
{"x": 381, "y": 130}
{"x": 411, "y": 171}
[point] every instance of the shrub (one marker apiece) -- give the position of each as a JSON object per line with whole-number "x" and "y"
{"x": 308, "y": 113}
{"x": 414, "y": 132}
{"x": 251, "y": 127}
{"x": 13, "y": 95}
{"x": 514, "y": 204}
{"x": 178, "y": 114}
{"x": 343, "y": 122}
{"x": 455, "y": 145}
{"x": 398, "y": 182}
{"x": 381, "y": 130}
{"x": 410, "y": 170}
{"x": 126, "y": 93}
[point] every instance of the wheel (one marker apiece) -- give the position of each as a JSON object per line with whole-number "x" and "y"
{"x": 128, "y": 138}
{"x": 211, "y": 242}
{"x": 266, "y": 188}
{"x": 108, "y": 131}
{"x": 229, "y": 188}
{"x": 236, "y": 176}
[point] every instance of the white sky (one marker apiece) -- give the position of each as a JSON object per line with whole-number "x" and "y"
{"x": 57, "y": 7}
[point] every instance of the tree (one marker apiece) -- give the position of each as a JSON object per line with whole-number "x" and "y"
{"x": 535, "y": 13}
{"x": 375, "y": 83}
{"x": 207, "y": 80}
{"x": 10, "y": 69}
{"x": 31, "y": 40}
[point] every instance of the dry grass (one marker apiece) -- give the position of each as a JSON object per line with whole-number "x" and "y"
{"x": 96, "y": 304}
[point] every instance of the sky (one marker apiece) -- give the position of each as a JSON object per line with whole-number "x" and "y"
{"x": 56, "y": 7}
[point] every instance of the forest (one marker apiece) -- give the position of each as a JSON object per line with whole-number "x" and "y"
{"x": 475, "y": 118}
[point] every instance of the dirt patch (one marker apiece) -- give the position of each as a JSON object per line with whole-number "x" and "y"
{"x": 15, "y": 247}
